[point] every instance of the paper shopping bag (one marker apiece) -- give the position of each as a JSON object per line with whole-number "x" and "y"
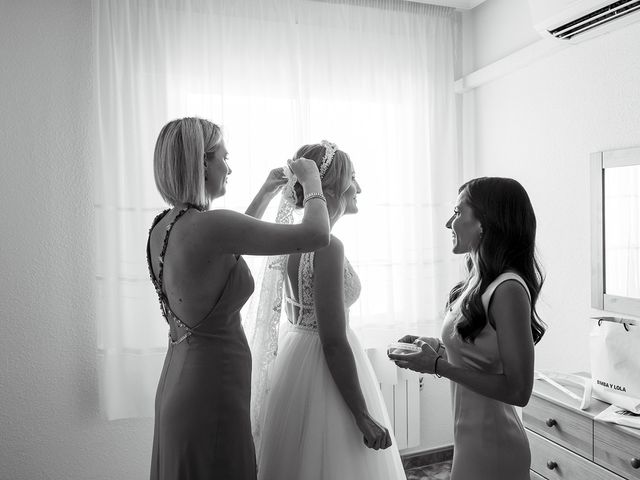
{"x": 615, "y": 362}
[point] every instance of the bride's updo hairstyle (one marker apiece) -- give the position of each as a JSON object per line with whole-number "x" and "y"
{"x": 336, "y": 180}
{"x": 178, "y": 160}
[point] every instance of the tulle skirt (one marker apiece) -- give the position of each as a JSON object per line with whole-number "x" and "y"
{"x": 309, "y": 432}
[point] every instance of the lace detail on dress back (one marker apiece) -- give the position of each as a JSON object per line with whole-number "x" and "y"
{"x": 307, "y": 312}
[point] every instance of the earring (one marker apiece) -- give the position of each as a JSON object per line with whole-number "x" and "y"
{"x": 206, "y": 177}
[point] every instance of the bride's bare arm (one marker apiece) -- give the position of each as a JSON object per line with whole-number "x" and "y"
{"x": 328, "y": 291}
{"x": 329, "y": 300}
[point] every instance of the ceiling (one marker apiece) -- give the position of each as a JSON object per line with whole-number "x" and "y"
{"x": 459, "y": 4}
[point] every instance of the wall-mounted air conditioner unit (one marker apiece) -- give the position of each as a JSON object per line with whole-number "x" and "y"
{"x": 577, "y": 20}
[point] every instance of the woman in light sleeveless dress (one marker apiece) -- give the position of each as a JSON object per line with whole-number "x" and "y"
{"x": 202, "y": 425}
{"x": 325, "y": 417}
{"x": 489, "y": 330}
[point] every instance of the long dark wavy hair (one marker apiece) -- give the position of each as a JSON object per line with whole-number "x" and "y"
{"x": 504, "y": 211}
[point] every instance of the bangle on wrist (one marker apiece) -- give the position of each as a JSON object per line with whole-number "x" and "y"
{"x": 311, "y": 196}
{"x": 435, "y": 366}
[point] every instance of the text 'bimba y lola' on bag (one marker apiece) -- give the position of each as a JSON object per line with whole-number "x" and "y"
{"x": 615, "y": 362}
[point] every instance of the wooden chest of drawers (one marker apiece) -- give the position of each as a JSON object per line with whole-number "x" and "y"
{"x": 567, "y": 443}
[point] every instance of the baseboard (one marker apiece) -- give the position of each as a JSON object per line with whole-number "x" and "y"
{"x": 427, "y": 457}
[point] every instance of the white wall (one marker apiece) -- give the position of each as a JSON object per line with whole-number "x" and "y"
{"x": 50, "y": 426}
{"x": 499, "y": 27}
{"x": 539, "y": 125}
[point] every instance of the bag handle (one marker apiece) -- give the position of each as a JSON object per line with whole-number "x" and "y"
{"x": 585, "y": 383}
{"x": 624, "y": 321}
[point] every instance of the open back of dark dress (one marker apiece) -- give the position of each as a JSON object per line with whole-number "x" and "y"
{"x": 202, "y": 426}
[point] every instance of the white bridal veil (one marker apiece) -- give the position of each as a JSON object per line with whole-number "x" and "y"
{"x": 262, "y": 321}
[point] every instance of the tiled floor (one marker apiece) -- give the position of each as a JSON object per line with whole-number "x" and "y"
{"x": 437, "y": 471}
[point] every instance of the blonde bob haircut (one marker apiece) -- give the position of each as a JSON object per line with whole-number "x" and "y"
{"x": 336, "y": 180}
{"x": 178, "y": 160}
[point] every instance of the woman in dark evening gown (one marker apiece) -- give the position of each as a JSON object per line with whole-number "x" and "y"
{"x": 202, "y": 425}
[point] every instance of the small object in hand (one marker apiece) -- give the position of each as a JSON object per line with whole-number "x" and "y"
{"x": 400, "y": 348}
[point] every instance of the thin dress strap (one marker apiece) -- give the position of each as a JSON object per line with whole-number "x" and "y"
{"x": 305, "y": 271}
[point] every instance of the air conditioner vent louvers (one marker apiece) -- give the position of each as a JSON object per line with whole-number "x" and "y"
{"x": 596, "y": 18}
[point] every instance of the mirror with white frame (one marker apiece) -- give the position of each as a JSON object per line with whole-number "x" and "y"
{"x": 615, "y": 235}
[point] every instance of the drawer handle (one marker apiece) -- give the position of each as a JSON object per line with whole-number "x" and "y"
{"x": 551, "y": 422}
{"x": 635, "y": 462}
{"x": 551, "y": 465}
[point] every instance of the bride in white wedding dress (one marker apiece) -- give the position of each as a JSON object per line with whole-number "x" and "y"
{"x": 318, "y": 412}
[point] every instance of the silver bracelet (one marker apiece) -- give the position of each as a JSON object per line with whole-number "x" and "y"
{"x": 311, "y": 196}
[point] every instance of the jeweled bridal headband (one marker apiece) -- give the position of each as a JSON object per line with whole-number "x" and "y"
{"x": 329, "y": 152}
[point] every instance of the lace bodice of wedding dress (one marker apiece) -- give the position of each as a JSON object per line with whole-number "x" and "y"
{"x": 306, "y": 317}
{"x": 309, "y": 432}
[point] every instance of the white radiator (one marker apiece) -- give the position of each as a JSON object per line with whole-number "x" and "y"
{"x": 401, "y": 392}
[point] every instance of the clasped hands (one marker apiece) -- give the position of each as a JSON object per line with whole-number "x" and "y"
{"x": 301, "y": 167}
{"x": 423, "y": 361}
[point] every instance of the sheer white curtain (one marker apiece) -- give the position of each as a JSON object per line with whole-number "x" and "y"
{"x": 376, "y": 77}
